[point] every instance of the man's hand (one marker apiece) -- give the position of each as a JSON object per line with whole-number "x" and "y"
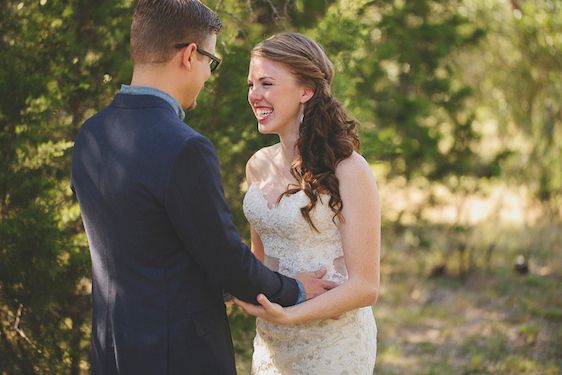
{"x": 313, "y": 283}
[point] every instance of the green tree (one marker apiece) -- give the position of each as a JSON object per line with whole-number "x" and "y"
{"x": 423, "y": 125}
{"x": 518, "y": 72}
{"x": 59, "y": 58}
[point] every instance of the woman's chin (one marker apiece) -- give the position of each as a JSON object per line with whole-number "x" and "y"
{"x": 264, "y": 129}
{"x": 189, "y": 104}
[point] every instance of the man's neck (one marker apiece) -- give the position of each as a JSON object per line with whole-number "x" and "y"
{"x": 156, "y": 79}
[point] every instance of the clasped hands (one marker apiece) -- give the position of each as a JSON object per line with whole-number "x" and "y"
{"x": 273, "y": 312}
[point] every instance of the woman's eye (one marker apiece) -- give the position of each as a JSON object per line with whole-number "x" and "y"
{"x": 267, "y": 84}
{"x": 250, "y": 85}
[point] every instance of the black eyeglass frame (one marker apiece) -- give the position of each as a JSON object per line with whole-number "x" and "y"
{"x": 215, "y": 61}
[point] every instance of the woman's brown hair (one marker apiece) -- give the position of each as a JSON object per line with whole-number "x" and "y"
{"x": 326, "y": 135}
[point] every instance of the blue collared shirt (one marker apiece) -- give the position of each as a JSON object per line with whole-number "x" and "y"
{"x": 302, "y": 294}
{"x": 145, "y": 90}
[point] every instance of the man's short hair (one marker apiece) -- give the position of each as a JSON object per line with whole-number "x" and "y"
{"x": 160, "y": 24}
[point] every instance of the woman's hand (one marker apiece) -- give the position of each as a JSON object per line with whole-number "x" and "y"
{"x": 267, "y": 310}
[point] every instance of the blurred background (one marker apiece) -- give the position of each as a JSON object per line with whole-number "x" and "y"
{"x": 460, "y": 111}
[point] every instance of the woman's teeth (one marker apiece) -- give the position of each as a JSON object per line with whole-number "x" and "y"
{"x": 263, "y": 112}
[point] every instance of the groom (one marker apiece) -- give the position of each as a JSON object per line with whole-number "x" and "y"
{"x": 161, "y": 238}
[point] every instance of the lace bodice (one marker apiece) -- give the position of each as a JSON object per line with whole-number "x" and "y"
{"x": 291, "y": 245}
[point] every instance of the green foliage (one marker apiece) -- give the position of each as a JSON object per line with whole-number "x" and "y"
{"x": 53, "y": 76}
{"x": 416, "y": 96}
{"x": 518, "y": 73}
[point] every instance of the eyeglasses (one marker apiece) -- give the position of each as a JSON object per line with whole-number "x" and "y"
{"x": 215, "y": 61}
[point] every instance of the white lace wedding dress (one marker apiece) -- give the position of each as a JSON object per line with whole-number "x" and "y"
{"x": 344, "y": 346}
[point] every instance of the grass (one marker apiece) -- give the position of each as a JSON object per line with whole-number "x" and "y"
{"x": 497, "y": 323}
{"x": 486, "y": 320}
{"x": 482, "y": 318}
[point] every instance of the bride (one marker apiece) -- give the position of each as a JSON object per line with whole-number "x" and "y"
{"x": 312, "y": 203}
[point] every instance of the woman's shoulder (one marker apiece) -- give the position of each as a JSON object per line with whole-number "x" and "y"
{"x": 260, "y": 161}
{"x": 262, "y": 157}
{"x": 354, "y": 168}
{"x": 353, "y": 163}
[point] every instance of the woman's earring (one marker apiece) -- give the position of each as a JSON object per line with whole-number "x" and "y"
{"x": 301, "y": 116}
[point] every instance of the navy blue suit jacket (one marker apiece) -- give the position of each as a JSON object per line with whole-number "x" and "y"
{"x": 162, "y": 243}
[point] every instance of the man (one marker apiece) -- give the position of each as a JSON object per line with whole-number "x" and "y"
{"x": 162, "y": 242}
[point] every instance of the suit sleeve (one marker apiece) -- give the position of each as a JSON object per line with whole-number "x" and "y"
{"x": 200, "y": 216}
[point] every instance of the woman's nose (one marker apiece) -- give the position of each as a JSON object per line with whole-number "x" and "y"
{"x": 254, "y": 95}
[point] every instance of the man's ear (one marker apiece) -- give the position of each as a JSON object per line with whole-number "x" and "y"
{"x": 187, "y": 55}
{"x": 307, "y": 93}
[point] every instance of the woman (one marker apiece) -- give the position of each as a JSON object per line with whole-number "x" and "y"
{"x": 312, "y": 203}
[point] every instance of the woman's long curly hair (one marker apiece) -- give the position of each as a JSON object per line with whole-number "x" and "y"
{"x": 326, "y": 135}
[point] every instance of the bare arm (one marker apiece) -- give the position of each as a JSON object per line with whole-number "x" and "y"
{"x": 256, "y": 246}
{"x": 360, "y": 234}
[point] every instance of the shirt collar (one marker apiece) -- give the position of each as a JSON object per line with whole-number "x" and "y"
{"x": 145, "y": 90}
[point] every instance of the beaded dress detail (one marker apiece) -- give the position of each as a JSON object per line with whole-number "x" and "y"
{"x": 291, "y": 245}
